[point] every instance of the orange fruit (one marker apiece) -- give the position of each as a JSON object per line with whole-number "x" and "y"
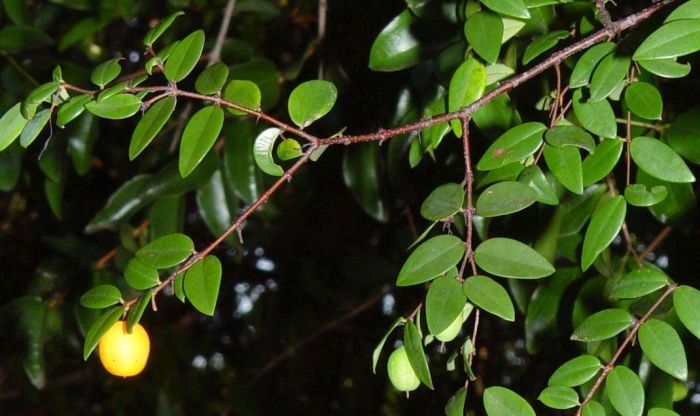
{"x": 124, "y": 354}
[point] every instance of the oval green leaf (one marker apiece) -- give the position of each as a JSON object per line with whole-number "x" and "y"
{"x": 673, "y": 39}
{"x": 576, "y": 371}
{"x": 106, "y": 72}
{"x": 12, "y": 124}
{"x": 602, "y": 325}
{"x": 202, "y": 283}
{"x": 431, "y": 259}
{"x": 310, "y": 101}
{"x": 34, "y": 127}
{"x": 416, "y": 355}
{"x": 587, "y": 62}
{"x": 684, "y": 133}
{"x": 510, "y": 258}
{"x": 666, "y": 68}
{"x": 184, "y": 56}
{"x": 504, "y": 198}
{"x": 598, "y": 165}
{"x": 262, "y": 150}
{"x": 605, "y": 224}
{"x": 466, "y": 86}
{"x": 396, "y": 47}
{"x": 573, "y": 136}
{"x": 150, "y": 125}
{"x": 596, "y": 117}
{"x": 443, "y": 303}
{"x": 101, "y": 296}
{"x": 455, "y": 405}
{"x": 512, "y": 146}
{"x": 99, "y": 328}
{"x": 638, "y": 283}
{"x": 565, "y": 163}
{"x": 542, "y": 44}
{"x": 490, "y": 296}
{"x": 512, "y": 8}
{"x": 499, "y": 401}
{"x": 289, "y": 149}
{"x": 116, "y": 107}
{"x": 484, "y": 31}
{"x": 664, "y": 348}
{"x": 243, "y": 93}
{"x": 166, "y": 251}
{"x": 641, "y": 196}
{"x": 686, "y": 301}
{"x": 212, "y": 79}
{"x": 160, "y": 28}
{"x": 608, "y": 75}
{"x": 559, "y": 397}
{"x": 644, "y": 100}
{"x": 533, "y": 177}
{"x": 445, "y": 201}
{"x": 625, "y": 391}
{"x": 199, "y": 136}
{"x": 139, "y": 275}
{"x": 72, "y": 109}
{"x": 659, "y": 160}
{"x": 593, "y": 408}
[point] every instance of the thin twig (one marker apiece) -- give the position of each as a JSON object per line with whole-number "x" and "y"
{"x": 215, "y": 54}
{"x": 656, "y": 127}
{"x": 322, "y": 15}
{"x": 657, "y": 240}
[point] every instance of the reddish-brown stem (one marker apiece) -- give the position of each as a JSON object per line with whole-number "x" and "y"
{"x": 469, "y": 192}
{"x": 557, "y": 100}
{"x": 628, "y": 339}
{"x": 628, "y": 140}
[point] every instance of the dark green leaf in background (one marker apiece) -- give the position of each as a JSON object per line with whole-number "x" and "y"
{"x": 396, "y": 47}
{"x": 361, "y": 174}
{"x": 212, "y": 79}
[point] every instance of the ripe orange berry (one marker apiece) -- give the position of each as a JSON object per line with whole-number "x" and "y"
{"x": 124, "y": 354}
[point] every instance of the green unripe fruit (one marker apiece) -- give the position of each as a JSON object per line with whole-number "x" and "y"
{"x": 451, "y": 332}
{"x": 400, "y": 371}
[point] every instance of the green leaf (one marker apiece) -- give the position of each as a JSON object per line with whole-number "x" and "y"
{"x": 213, "y": 201}
{"x": 10, "y": 167}
{"x": 679, "y": 205}
{"x": 608, "y": 75}
{"x": 99, "y": 328}
{"x": 240, "y": 169}
{"x": 83, "y": 29}
{"x": 40, "y": 94}
{"x": 605, "y": 224}
{"x": 431, "y": 259}
{"x": 139, "y": 275}
{"x": 565, "y": 163}
{"x": 443, "y": 303}
{"x": 598, "y": 117}
{"x": 100, "y": 297}
{"x": 106, "y": 72}
{"x": 686, "y": 301}
{"x": 666, "y": 68}
{"x": 202, "y": 282}
{"x": 34, "y": 127}
{"x": 598, "y": 165}
{"x": 504, "y": 198}
{"x": 466, "y": 86}
{"x": 72, "y": 109}
{"x": 199, "y": 136}
{"x": 244, "y": 93}
{"x": 415, "y": 353}
{"x": 533, "y": 177}
{"x": 499, "y": 401}
{"x": 378, "y": 349}
{"x": 510, "y": 258}
{"x": 512, "y": 8}
{"x": 184, "y": 57}
{"x": 484, "y": 31}
{"x": 664, "y": 348}
{"x": 150, "y": 125}
{"x": 445, "y": 201}
{"x": 490, "y": 296}
{"x": 673, "y": 39}
{"x": 116, "y": 107}
{"x": 602, "y": 325}
{"x": 585, "y": 65}
{"x": 559, "y": 397}
{"x": 512, "y": 146}
{"x": 166, "y": 251}
{"x": 160, "y": 28}
{"x": 542, "y": 44}
{"x": 497, "y": 72}
{"x": 396, "y": 47}
{"x": 212, "y": 79}
{"x": 263, "y": 151}
{"x": 576, "y": 371}
{"x": 136, "y": 311}
{"x": 638, "y": 283}
{"x": 639, "y": 196}
{"x": 16, "y": 39}
{"x": 644, "y": 100}
{"x": 570, "y": 135}
{"x": 684, "y": 133}
{"x": 657, "y": 411}
{"x": 361, "y": 174}
{"x": 659, "y": 160}
{"x": 593, "y": 408}
{"x": 310, "y": 101}
{"x": 12, "y": 124}
{"x": 455, "y": 405}
{"x": 289, "y": 149}
{"x": 625, "y": 391}
{"x": 179, "y": 286}
{"x": 33, "y": 320}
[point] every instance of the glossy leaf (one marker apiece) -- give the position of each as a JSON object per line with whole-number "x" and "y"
{"x": 644, "y": 100}
{"x": 12, "y": 124}
{"x": 443, "y": 303}
{"x": 213, "y": 202}
{"x": 455, "y": 405}
{"x": 611, "y": 70}
{"x": 484, "y": 31}
{"x": 34, "y": 127}
{"x": 512, "y": 8}
{"x": 559, "y": 397}
{"x": 160, "y": 28}
{"x": 659, "y": 160}
{"x": 139, "y": 275}
{"x": 240, "y": 169}
{"x": 490, "y": 296}
{"x": 661, "y": 412}
{"x": 497, "y": 72}
{"x": 101, "y": 296}
{"x": 625, "y": 391}
{"x": 585, "y": 65}
{"x": 466, "y": 86}
{"x": 443, "y": 202}
{"x": 565, "y": 163}
{"x": 166, "y": 251}
{"x": 310, "y": 101}
{"x": 150, "y": 125}
{"x": 99, "y": 328}
{"x": 686, "y": 301}
{"x": 598, "y": 165}
{"x": 576, "y": 371}
{"x": 683, "y": 134}
{"x": 664, "y": 348}
{"x": 416, "y": 355}
{"x": 602, "y": 325}
{"x": 244, "y": 93}
{"x": 673, "y": 39}
{"x": 593, "y": 408}
{"x": 679, "y": 204}
{"x": 514, "y": 145}
{"x": 639, "y": 282}
{"x": 199, "y": 136}
{"x": 72, "y": 109}
{"x": 184, "y": 57}
{"x": 116, "y": 107}
{"x": 596, "y": 117}
{"x": 289, "y": 149}
{"x": 543, "y": 44}
{"x": 136, "y": 311}
{"x": 202, "y": 282}
{"x": 380, "y": 345}
{"x": 262, "y": 151}
{"x": 431, "y": 259}
{"x": 533, "y": 177}
{"x": 212, "y": 79}
{"x": 510, "y": 258}
{"x": 396, "y": 47}
{"x": 640, "y": 196}
{"x": 499, "y": 401}
{"x": 666, "y": 68}
{"x": 361, "y": 174}
{"x": 574, "y": 136}
{"x": 106, "y": 72}
{"x": 504, "y": 198}
{"x": 605, "y": 224}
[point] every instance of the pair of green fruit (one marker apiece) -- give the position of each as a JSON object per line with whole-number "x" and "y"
{"x": 401, "y": 373}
